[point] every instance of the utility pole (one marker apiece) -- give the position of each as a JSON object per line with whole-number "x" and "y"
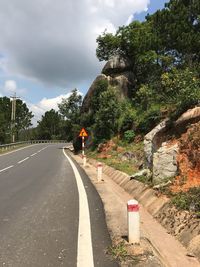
{"x": 13, "y": 116}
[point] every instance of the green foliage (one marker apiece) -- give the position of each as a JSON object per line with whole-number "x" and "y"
{"x": 106, "y": 123}
{"x": 23, "y": 117}
{"x": 129, "y": 136}
{"x": 118, "y": 252}
{"x": 49, "y": 126}
{"x": 188, "y": 200}
{"x": 95, "y": 103}
{"x": 22, "y": 122}
{"x": 164, "y": 55}
{"x": 128, "y": 116}
{"x": 107, "y": 45}
{"x": 69, "y": 108}
{"x": 180, "y": 89}
{"x": 148, "y": 119}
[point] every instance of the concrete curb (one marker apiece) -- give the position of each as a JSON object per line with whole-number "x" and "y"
{"x": 171, "y": 252}
{"x": 145, "y": 195}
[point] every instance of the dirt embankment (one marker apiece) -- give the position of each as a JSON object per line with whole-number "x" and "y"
{"x": 188, "y": 160}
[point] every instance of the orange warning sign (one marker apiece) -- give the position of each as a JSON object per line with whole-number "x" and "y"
{"x": 83, "y": 133}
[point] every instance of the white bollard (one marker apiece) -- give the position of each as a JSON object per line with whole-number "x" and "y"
{"x": 84, "y": 160}
{"x": 133, "y": 221}
{"x": 99, "y": 171}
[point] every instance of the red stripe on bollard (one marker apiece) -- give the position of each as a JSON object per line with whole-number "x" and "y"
{"x": 133, "y": 208}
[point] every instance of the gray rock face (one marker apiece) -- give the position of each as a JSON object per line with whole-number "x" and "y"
{"x": 88, "y": 96}
{"x": 190, "y": 115}
{"x": 145, "y": 172}
{"x": 116, "y": 64}
{"x": 150, "y": 143}
{"x": 165, "y": 163}
{"x": 117, "y": 72}
{"x": 124, "y": 83}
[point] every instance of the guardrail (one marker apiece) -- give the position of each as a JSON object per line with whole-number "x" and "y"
{"x": 14, "y": 145}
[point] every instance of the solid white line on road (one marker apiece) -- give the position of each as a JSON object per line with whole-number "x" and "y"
{"x": 17, "y": 150}
{"x": 33, "y": 154}
{"x": 85, "y": 251}
{"x": 6, "y": 168}
{"x": 22, "y": 160}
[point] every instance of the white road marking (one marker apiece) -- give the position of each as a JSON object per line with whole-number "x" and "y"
{"x": 17, "y": 150}
{"x": 85, "y": 250}
{"x": 7, "y": 168}
{"x": 33, "y": 154}
{"x": 22, "y": 160}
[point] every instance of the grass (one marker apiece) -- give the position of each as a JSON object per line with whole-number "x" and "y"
{"x": 120, "y": 253}
{"x": 113, "y": 157}
{"x": 189, "y": 200}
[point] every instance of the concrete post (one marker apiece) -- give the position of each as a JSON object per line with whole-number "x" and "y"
{"x": 133, "y": 221}
{"x": 99, "y": 171}
{"x": 84, "y": 160}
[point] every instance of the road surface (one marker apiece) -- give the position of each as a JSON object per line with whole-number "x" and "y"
{"x": 50, "y": 214}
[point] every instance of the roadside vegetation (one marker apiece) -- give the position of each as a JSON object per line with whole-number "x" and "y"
{"x": 164, "y": 53}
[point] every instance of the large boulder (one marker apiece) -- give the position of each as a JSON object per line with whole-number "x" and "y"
{"x": 152, "y": 142}
{"x": 165, "y": 163}
{"x": 88, "y": 96}
{"x": 116, "y": 64}
{"x": 123, "y": 82}
{"x": 117, "y": 71}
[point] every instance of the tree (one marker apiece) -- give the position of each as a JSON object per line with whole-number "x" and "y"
{"x": 5, "y": 119}
{"x": 50, "y": 125}
{"x": 22, "y": 120}
{"x": 69, "y": 108}
{"x": 178, "y": 28}
{"x": 23, "y": 117}
{"x": 106, "y": 120}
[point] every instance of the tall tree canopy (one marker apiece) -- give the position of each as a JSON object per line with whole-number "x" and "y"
{"x": 22, "y": 120}
{"x": 49, "y": 127}
{"x": 165, "y": 54}
{"x": 70, "y": 107}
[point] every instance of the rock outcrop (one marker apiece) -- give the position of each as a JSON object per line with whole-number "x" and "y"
{"x": 165, "y": 163}
{"x": 190, "y": 116}
{"x": 116, "y": 65}
{"x": 88, "y": 96}
{"x": 117, "y": 71}
{"x": 160, "y": 157}
{"x": 151, "y": 142}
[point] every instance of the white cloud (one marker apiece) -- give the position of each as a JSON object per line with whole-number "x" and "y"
{"x": 10, "y": 87}
{"x": 44, "y": 105}
{"x": 54, "y": 42}
{"x": 130, "y": 19}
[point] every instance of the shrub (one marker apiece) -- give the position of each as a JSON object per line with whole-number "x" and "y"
{"x": 129, "y": 136}
{"x": 189, "y": 200}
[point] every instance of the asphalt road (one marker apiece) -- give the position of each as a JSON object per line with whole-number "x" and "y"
{"x": 49, "y": 214}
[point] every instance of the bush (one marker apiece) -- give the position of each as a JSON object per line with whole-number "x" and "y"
{"x": 129, "y": 136}
{"x": 189, "y": 200}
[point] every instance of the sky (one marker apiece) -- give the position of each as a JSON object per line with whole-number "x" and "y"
{"x": 47, "y": 47}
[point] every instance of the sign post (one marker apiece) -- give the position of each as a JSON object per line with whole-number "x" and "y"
{"x": 83, "y": 134}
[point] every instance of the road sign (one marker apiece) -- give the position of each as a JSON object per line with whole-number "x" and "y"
{"x": 83, "y": 133}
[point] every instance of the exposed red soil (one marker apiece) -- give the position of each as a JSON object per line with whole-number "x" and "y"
{"x": 188, "y": 160}
{"x": 104, "y": 149}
